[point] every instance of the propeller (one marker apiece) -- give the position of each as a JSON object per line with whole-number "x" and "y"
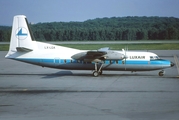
{"x": 125, "y": 56}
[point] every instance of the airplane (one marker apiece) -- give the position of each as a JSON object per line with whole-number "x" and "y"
{"x": 24, "y": 48}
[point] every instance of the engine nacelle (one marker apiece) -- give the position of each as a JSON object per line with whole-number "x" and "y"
{"x": 79, "y": 56}
{"x": 98, "y": 56}
{"x": 114, "y": 56}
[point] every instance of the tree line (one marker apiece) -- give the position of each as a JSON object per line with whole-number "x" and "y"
{"x": 115, "y": 28}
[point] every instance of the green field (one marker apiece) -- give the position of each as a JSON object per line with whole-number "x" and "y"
{"x": 160, "y": 46}
{"x": 155, "y": 46}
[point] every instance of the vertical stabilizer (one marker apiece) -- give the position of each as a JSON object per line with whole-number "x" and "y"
{"x": 21, "y": 36}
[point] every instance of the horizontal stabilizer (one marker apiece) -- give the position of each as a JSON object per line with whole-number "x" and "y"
{"x": 23, "y": 49}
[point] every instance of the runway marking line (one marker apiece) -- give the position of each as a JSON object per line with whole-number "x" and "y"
{"x": 177, "y": 63}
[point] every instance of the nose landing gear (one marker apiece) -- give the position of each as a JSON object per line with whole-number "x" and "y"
{"x": 161, "y": 73}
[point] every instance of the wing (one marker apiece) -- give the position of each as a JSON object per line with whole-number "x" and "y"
{"x": 98, "y": 55}
{"x": 89, "y": 56}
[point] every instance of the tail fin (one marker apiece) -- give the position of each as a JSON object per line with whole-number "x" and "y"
{"x": 21, "y": 36}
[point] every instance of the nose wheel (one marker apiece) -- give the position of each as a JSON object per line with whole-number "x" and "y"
{"x": 161, "y": 73}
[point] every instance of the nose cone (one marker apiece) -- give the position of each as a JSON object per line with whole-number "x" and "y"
{"x": 172, "y": 64}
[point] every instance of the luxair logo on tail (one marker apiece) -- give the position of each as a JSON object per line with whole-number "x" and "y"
{"x": 21, "y": 33}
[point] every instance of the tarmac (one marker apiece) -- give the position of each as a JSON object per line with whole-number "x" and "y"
{"x": 29, "y": 92}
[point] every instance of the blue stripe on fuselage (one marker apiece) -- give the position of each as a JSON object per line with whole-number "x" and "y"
{"x": 160, "y": 62}
{"x": 64, "y": 61}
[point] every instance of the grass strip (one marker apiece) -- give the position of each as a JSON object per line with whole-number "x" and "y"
{"x": 156, "y": 46}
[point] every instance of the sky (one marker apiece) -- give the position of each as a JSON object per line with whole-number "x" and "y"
{"x": 81, "y": 10}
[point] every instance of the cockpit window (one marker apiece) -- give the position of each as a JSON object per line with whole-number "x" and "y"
{"x": 151, "y": 57}
{"x": 154, "y": 57}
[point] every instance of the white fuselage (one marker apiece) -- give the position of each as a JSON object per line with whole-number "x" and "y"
{"x": 53, "y": 56}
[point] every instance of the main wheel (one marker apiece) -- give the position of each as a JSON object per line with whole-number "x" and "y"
{"x": 95, "y": 74}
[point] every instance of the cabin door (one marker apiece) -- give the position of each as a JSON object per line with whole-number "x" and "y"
{"x": 57, "y": 60}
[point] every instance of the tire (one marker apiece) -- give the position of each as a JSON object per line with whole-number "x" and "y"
{"x": 95, "y": 74}
{"x": 161, "y": 73}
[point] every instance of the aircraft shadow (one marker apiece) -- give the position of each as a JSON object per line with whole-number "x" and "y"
{"x": 58, "y": 74}
{"x": 70, "y": 73}
{"x": 105, "y": 74}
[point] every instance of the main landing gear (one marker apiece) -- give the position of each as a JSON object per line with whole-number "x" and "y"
{"x": 161, "y": 73}
{"x": 97, "y": 71}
